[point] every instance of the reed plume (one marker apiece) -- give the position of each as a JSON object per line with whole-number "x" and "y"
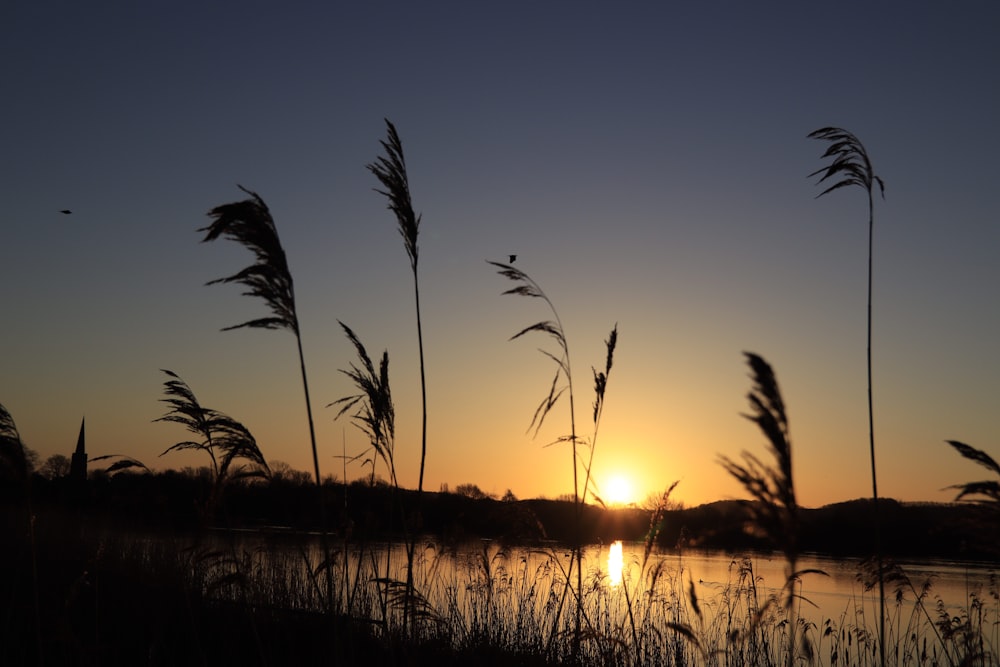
{"x": 376, "y": 414}
{"x": 13, "y": 462}
{"x": 989, "y": 490}
{"x": 249, "y": 223}
{"x": 16, "y": 469}
{"x": 563, "y": 378}
{"x": 221, "y": 437}
{"x": 772, "y": 487}
{"x": 600, "y": 387}
{"x": 850, "y": 165}
{"x": 120, "y": 462}
{"x": 390, "y": 170}
{"x": 775, "y": 510}
{"x": 562, "y": 382}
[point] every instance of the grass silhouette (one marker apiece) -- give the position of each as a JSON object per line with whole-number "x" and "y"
{"x": 249, "y": 223}
{"x": 775, "y": 509}
{"x": 375, "y": 415}
{"x": 562, "y": 382}
{"x": 490, "y": 603}
{"x": 13, "y": 462}
{"x": 390, "y": 170}
{"x": 230, "y": 446}
{"x": 986, "y": 491}
{"x": 850, "y": 165}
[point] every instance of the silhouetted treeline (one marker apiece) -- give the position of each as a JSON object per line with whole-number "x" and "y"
{"x": 174, "y": 500}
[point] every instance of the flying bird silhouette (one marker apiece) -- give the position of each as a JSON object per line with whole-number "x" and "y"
{"x": 512, "y": 258}
{"x": 65, "y": 211}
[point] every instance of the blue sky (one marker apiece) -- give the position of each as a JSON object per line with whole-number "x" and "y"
{"x": 646, "y": 161}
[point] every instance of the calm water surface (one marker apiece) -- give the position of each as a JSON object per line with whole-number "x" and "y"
{"x": 837, "y": 593}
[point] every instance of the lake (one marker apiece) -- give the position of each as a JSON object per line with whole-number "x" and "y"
{"x": 692, "y": 602}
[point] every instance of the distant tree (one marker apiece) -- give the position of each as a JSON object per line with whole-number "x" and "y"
{"x": 375, "y": 481}
{"x": 471, "y": 491}
{"x": 55, "y": 466}
{"x": 661, "y": 502}
{"x": 509, "y": 497}
{"x": 283, "y": 472}
{"x": 31, "y": 459}
{"x": 201, "y": 472}
{"x": 444, "y": 488}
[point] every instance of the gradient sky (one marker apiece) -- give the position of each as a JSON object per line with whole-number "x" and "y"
{"x": 647, "y": 162}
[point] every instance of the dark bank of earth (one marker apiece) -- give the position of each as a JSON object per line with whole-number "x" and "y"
{"x": 74, "y": 597}
{"x": 909, "y": 530}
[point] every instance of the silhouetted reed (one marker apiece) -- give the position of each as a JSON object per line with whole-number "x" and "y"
{"x": 775, "y": 509}
{"x": 562, "y": 382}
{"x": 390, "y": 170}
{"x": 230, "y": 446}
{"x": 851, "y": 165}
{"x": 13, "y": 462}
{"x": 15, "y": 472}
{"x": 375, "y": 416}
{"x": 249, "y": 223}
{"x": 988, "y": 490}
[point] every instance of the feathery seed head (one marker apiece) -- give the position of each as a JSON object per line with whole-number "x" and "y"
{"x": 849, "y": 161}
{"x": 249, "y": 222}
{"x": 390, "y": 170}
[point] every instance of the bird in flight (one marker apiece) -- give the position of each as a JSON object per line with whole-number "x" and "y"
{"x": 512, "y": 258}
{"x": 65, "y": 211}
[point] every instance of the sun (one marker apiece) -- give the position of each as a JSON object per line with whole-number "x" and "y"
{"x": 618, "y": 490}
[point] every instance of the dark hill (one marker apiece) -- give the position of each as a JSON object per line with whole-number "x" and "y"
{"x": 172, "y": 500}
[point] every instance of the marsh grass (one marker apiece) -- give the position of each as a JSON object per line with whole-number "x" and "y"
{"x": 562, "y": 382}
{"x": 850, "y": 166}
{"x": 231, "y": 448}
{"x": 390, "y": 170}
{"x": 249, "y": 223}
{"x": 111, "y": 597}
{"x": 775, "y": 510}
{"x": 985, "y": 491}
{"x": 15, "y": 478}
{"x": 374, "y": 414}
{"x": 13, "y": 462}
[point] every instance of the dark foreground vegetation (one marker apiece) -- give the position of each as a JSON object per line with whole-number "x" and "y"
{"x": 174, "y": 501}
{"x": 127, "y": 570}
{"x": 245, "y": 565}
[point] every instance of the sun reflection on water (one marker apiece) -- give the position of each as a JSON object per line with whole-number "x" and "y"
{"x": 615, "y": 563}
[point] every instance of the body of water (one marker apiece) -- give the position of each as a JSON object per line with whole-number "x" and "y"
{"x": 514, "y": 594}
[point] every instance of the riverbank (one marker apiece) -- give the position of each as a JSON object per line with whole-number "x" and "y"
{"x": 84, "y": 589}
{"x": 952, "y": 531}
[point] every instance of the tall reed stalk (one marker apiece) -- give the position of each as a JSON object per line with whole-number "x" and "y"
{"x": 390, "y": 170}
{"x": 249, "y": 223}
{"x": 15, "y": 470}
{"x": 775, "y": 509}
{"x": 221, "y": 437}
{"x": 225, "y": 441}
{"x": 988, "y": 491}
{"x": 375, "y": 416}
{"x": 851, "y": 165}
{"x": 563, "y": 382}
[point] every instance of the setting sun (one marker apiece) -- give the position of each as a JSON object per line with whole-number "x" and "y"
{"x": 619, "y": 491}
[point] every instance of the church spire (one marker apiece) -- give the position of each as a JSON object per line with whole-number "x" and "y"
{"x": 78, "y": 464}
